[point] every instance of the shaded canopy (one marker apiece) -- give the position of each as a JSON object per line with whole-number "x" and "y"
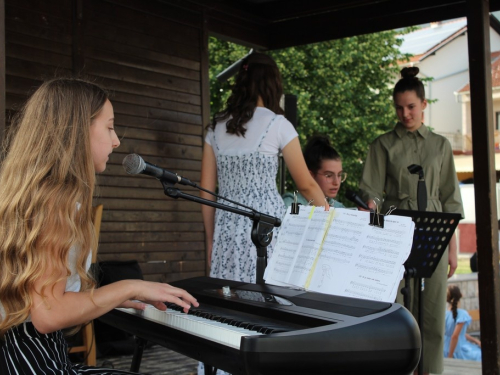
{"x": 274, "y": 24}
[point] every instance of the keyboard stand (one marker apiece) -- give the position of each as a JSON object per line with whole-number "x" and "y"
{"x": 140, "y": 344}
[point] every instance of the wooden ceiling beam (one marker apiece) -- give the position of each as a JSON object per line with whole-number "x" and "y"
{"x": 285, "y": 9}
{"x": 284, "y": 23}
{"x": 237, "y": 27}
{"x": 390, "y": 15}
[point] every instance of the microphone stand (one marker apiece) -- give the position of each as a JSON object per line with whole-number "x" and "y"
{"x": 262, "y": 228}
{"x": 262, "y": 234}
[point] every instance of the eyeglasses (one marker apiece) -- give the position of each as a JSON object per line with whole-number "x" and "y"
{"x": 330, "y": 176}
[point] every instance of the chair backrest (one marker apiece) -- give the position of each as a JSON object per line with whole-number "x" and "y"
{"x": 89, "y": 344}
{"x": 96, "y": 219}
{"x": 474, "y": 314}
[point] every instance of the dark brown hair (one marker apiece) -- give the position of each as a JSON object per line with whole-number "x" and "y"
{"x": 453, "y": 295}
{"x": 258, "y": 76}
{"x": 317, "y": 149}
{"x": 409, "y": 82}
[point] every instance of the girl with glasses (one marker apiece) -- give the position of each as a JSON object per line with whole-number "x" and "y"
{"x": 325, "y": 166}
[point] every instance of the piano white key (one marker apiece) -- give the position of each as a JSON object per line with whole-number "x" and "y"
{"x": 198, "y": 326}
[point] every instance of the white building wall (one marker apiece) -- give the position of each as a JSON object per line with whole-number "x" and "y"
{"x": 494, "y": 41}
{"x": 468, "y": 200}
{"x": 449, "y": 68}
{"x": 449, "y": 59}
{"x": 445, "y": 115}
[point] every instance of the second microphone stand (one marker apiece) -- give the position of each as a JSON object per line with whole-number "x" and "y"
{"x": 262, "y": 228}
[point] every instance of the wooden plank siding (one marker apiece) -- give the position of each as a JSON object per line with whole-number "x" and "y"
{"x": 152, "y": 57}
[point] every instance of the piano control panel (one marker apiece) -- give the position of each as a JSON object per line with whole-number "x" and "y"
{"x": 247, "y": 295}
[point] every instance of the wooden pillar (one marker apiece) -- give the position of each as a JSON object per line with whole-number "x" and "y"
{"x": 484, "y": 181}
{"x": 205, "y": 95}
{"x": 3, "y": 89}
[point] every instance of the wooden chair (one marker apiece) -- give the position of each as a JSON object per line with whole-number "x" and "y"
{"x": 87, "y": 331}
{"x": 474, "y": 314}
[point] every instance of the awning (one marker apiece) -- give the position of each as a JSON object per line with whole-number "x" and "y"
{"x": 463, "y": 163}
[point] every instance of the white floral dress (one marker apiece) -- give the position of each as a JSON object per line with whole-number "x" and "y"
{"x": 249, "y": 179}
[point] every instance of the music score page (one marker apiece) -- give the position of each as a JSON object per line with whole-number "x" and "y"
{"x": 337, "y": 252}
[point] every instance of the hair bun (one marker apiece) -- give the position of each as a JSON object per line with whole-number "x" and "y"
{"x": 410, "y": 72}
{"x": 259, "y": 58}
{"x": 320, "y": 140}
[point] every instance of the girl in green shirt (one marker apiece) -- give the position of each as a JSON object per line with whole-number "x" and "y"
{"x": 386, "y": 178}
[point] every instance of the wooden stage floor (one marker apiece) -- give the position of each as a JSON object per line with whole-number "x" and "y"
{"x": 161, "y": 361}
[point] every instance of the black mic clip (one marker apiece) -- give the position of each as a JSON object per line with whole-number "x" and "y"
{"x": 376, "y": 218}
{"x": 356, "y": 199}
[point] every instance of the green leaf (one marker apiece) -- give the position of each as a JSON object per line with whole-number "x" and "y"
{"x": 343, "y": 88}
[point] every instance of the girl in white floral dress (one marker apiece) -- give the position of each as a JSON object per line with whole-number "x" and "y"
{"x": 241, "y": 155}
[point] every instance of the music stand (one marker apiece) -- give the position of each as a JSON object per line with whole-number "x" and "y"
{"x": 433, "y": 232}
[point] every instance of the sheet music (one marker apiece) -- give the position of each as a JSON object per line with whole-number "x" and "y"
{"x": 284, "y": 256}
{"x": 308, "y": 252}
{"x": 341, "y": 254}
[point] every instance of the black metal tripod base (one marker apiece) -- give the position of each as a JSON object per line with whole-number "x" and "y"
{"x": 406, "y": 292}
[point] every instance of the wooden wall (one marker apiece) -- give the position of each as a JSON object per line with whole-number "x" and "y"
{"x": 153, "y": 57}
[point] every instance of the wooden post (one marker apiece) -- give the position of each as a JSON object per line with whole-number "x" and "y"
{"x": 205, "y": 95}
{"x": 484, "y": 180}
{"x": 3, "y": 89}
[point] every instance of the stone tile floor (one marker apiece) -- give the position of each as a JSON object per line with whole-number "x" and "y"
{"x": 157, "y": 360}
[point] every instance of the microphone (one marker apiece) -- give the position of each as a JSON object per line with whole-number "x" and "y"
{"x": 353, "y": 197}
{"x": 134, "y": 164}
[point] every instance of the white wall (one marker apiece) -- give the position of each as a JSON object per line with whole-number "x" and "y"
{"x": 449, "y": 69}
{"x": 445, "y": 116}
{"x": 467, "y": 192}
{"x": 449, "y": 59}
{"x": 494, "y": 41}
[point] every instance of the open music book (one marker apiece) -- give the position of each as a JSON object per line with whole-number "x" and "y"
{"x": 338, "y": 252}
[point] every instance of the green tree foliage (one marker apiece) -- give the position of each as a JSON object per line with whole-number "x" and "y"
{"x": 343, "y": 87}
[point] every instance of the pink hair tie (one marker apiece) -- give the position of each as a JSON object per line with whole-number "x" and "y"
{"x": 245, "y": 67}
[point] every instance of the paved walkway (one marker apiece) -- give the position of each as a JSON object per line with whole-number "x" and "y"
{"x": 460, "y": 367}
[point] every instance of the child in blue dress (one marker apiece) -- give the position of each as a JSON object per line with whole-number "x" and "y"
{"x": 458, "y": 344}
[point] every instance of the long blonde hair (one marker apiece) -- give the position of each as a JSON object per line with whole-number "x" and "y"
{"x": 47, "y": 172}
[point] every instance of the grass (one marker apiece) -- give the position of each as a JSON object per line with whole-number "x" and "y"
{"x": 463, "y": 264}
